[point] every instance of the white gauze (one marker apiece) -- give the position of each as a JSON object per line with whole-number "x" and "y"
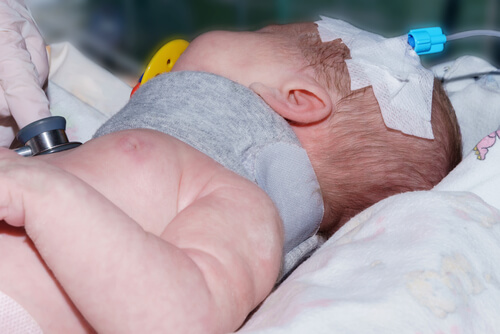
{"x": 402, "y": 86}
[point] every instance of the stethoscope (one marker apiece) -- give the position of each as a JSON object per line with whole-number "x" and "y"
{"x": 45, "y": 136}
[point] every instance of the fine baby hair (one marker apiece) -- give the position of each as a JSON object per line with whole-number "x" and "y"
{"x": 367, "y": 161}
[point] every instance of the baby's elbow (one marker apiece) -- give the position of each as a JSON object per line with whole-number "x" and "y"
{"x": 228, "y": 292}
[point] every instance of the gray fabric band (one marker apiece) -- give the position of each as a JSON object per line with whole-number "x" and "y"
{"x": 235, "y": 127}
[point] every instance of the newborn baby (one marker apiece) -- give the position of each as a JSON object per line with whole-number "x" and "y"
{"x": 139, "y": 231}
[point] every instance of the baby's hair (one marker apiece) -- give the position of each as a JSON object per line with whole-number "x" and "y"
{"x": 363, "y": 161}
{"x": 367, "y": 161}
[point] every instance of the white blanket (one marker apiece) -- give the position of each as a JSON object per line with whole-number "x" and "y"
{"x": 423, "y": 262}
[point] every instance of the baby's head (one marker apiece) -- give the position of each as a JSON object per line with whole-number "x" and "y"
{"x": 357, "y": 159}
{"x": 360, "y": 161}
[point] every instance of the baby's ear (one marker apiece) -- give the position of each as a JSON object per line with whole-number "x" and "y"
{"x": 301, "y": 99}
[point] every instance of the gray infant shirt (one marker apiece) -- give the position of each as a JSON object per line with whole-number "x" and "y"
{"x": 235, "y": 127}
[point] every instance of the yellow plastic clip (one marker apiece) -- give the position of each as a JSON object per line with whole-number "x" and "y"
{"x": 163, "y": 60}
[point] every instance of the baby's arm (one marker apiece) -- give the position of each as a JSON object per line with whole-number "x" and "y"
{"x": 215, "y": 261}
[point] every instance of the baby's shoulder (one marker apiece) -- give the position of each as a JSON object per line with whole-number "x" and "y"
{"x": 202, "y": 176}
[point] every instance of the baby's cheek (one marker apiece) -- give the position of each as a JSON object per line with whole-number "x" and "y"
{"x": 205, "y": 53}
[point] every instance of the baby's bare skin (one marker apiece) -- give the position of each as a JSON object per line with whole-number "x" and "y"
{"x": 143, "y": 233}
{"x": 214, "y": 241}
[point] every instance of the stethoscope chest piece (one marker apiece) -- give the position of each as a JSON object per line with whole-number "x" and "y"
{"x": 45, "y": 136}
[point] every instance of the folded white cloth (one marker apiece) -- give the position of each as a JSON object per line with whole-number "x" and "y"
{"x": 475, "y": 95}
{"x": 82, "y": 91}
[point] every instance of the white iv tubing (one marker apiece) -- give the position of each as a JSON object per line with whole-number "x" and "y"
{"x": 472, "y": 33}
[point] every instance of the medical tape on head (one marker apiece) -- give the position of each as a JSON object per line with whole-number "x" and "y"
{"x": 402, "y": 86}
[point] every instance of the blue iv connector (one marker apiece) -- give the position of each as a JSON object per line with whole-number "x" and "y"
{"x": 427, "y": 40}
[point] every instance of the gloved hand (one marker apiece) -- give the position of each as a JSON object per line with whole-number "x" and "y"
{"x": 23, "y": 70}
